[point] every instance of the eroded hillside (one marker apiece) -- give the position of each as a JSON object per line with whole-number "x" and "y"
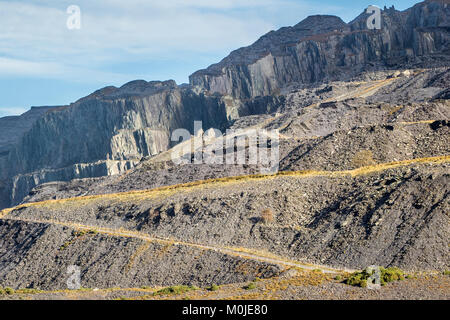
{"x": 364, "y": 158}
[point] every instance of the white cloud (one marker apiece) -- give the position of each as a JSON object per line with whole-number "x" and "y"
{"x": 34, "y": 40}
{"x": 182, "y": 4}
{"x": 31, "y": 30}
{"x": 15, "y": 67}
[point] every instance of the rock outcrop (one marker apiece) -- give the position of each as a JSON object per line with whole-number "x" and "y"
{"x": 104, "y": 133}
{"x": 322, "y": 48}
{"x": 12, "y": 130}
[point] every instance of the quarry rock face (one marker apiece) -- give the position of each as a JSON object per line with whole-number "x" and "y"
{"x": 12, "y": 129}
{"x": 326, "y": 48}
{"x": 105, "y": 133}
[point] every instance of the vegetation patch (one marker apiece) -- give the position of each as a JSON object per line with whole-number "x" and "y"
{"x": 214, "y": 287}
{"x": 65, "y": 245}
{"x": 387, "y": 275}
{"x": 29, "y": 291}
{"x": 250, "y": 286}
{"x": 136, "y": 255}
{"x": 175, "y": 290}
{"x": 7, "y": 290}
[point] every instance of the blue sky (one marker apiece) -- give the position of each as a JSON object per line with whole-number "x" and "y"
{"x": 44, "y": 63}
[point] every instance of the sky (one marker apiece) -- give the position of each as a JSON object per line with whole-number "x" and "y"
{"x": 45, "y": 61}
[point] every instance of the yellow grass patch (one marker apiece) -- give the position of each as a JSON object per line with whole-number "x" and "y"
{"x": 139, "y": 251}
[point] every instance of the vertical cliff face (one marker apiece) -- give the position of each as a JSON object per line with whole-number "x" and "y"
{"x": 118, "y": 125}
{"x": 104, "y": 133}
{"x": 12, "y": 129}
{"x": 325, "y": 48}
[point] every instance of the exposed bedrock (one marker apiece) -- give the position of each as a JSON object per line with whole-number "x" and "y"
{"x": 115, "y": 126}
{"x": 326, "y": 48}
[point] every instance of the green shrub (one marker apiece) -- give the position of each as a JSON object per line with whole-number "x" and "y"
{"x": 391, "y": 274}
{"x": 175, "y": 290}
{"x": 214, "y": 287}
{"x": 2, "y": 291}
{"x": 9, "y": 290}
{"x": 387, "y": 275}
{"x": 65, "y": 245}
{"x": 338, "y": 278}
{"x": 250, "y": 286}
{"x": 446, "y": 273}
{"x": 356, "y": 278}
{"x": 78, "y": 234}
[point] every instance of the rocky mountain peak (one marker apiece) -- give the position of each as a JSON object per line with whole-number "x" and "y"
{"x": 144, "y": 86}
{"x": 321, "y": 23}
{"x": 136, "y": 88}
{"x": 325, "y": 47}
